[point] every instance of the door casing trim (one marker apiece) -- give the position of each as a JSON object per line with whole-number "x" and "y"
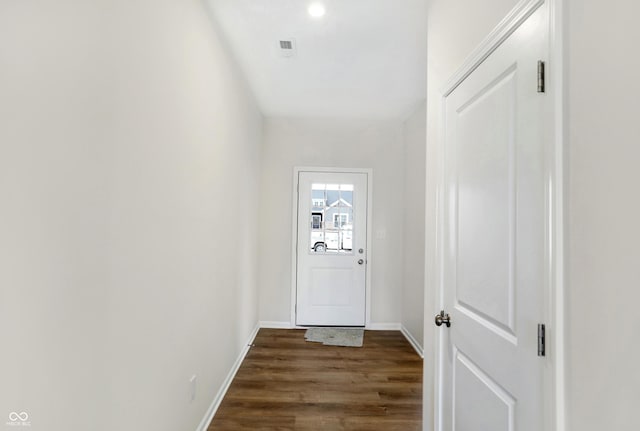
{"x": 294, "y": 234}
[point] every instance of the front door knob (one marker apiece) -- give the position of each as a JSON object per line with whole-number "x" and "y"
{"x": 443, "y": 318}
{"x": 360, "y": 261}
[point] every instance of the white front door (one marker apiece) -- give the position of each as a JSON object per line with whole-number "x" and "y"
{"x": 331, "y": 249}
{"x": 493, "y": 244}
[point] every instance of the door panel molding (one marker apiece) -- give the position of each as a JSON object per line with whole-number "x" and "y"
{"x": 294, "y": 234}
{"x": 491, "y": 391}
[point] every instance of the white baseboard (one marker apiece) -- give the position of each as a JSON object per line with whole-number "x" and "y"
{"x": 275, "y": 325}
{"x": 215, "y": 404}
{"x": 411, "y": 339}
{"x": 287, "y": 325}
{"x": 383, "y": 327}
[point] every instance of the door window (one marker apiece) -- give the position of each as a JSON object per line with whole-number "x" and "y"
{"x": 331, "y": 219}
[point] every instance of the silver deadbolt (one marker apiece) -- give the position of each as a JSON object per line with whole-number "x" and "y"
{"x": 443, "y": 318}
{"x": 360, "y": 251}
{"x": 360, "y": 261}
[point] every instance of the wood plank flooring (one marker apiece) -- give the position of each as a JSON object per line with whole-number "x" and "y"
{"x": 286, "y": 383}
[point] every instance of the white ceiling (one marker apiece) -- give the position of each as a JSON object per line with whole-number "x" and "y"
{"x": 363, "y": 59}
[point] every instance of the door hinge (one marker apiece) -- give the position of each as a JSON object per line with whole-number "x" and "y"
{"x": 541, "y": 79}
{"x": 541, "y": 340}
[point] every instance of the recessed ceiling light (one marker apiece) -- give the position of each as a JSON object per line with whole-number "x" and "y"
{"x": 316, "y": 10}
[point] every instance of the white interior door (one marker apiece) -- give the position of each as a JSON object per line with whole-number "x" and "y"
{"x": 493, "y": 246}
{"x": 331, "y": 249}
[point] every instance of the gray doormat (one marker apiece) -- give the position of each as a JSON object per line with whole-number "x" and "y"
{"x": 348, "y": 337}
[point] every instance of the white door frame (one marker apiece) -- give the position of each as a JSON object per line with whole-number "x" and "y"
{"x": 294, "y": 235}
{"x": 555, "y": 198}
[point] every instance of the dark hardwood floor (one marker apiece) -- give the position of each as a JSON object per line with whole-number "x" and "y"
{"x": 286, "y": 383}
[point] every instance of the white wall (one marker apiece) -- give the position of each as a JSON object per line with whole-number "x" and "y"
{"x": 604, "y": 208}
{"x": 129, "y": 165}
{"x": 326, "y": 143}
{"x": 415, "y": 129}
{"x": 53, "y": 174}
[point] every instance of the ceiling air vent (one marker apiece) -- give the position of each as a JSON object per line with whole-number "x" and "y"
{"x": 287, "y": 47}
